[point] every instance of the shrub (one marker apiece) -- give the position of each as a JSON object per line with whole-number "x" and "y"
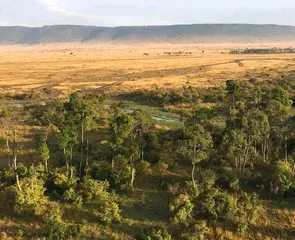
{"x": 284, "y": 177}
{"x": 92, "y": 190}
{"x": 161, "y": 168}
{"x": 204, "y": 201}
{"x": 101, "y": 171}
{"x": 73, "y": 196}
{"x": 63, "y": 183}
{"x": 143, "y": 168}
{"x": 62, "y": 231}
{"x": 55, "y": 227}
{"x": 118, "y": 177}
{"x": 160, "y": 235}
{"x": 30, "y": 200}
{"x": 200, "y": 231}
{"x": 110, "y": 212}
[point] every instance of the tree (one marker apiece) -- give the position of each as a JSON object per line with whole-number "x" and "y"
{"x": 141, "y": 123}
{"x": 196, "y": 145}
{"x": 66, "y": 141}
{"x": 120, "y": 127}
{"x": 242, "y": 133}
{"x": 232, "y": 89}
{"x": 30, "y": 200}
{"x": 44, "y": 154}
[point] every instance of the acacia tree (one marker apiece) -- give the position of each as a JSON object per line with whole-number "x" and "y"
{"x": 67, "y": 141}
{"x": 196, "y": 145}
{"x": 236, "y": 143}
{"x": 242, "y": 134}
{"x": 81, "y": 114}
{"x": 120, "y": 127}
{"x": 232, "y": 89}
{"x": 141, "y": 123}
{"x": 255, "y": 124}
{"x": 44, "y": 153}
{"x": 10, "y": 119}
{"x": 278, "y": 115}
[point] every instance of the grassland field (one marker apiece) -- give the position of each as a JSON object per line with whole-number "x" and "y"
{"x": 60, "y": 69}
{"x": 65, "y": 68}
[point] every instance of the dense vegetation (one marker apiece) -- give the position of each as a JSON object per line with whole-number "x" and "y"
{"x": 231, "y": 150}
{"x": 263, "y": 51}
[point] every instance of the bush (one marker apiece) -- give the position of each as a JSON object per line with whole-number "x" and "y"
{"x": 62, "y": 231}
{"x": 143, "y": 168}
{"x": 52, "y": 214}
{"x": 73, "y": 196}
{"x": 118, "y": 177}
{"x": 205, "y": 201}
{"x": 101, "y": 171}
{"x": 110, "y": 212}
{"x": 160, "y": 235}
{"x": 55, "y": 227}
{"x": 284, "y": 178}
{"x": 62, "y": 183}
{"x": 30, "y": 200}
{"x": 200, "y": 231}
{"x": 161, "y": 168}
{"x": 92, "y": 190}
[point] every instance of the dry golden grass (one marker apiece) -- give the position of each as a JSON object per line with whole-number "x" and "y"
{"x": 116, "y": 68}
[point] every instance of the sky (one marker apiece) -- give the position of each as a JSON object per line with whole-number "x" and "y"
{"x": 144, "y": 12}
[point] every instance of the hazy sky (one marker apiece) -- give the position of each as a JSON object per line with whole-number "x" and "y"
{"x": 145, "y": 12}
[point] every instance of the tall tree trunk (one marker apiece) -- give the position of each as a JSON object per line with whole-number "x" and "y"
{"x": 16, "y": 174}
{"x": 194, "y": 165}
{"x": 193, "y": 174}
{"x": 15, "y": 162}
{"x": 286, "y": 149}
{"x": 71, "y": 156}
{"x": 142, "y": 152}
{"x": 82, "y": 149}
{"x": 132, "y": 170}
{"x": 67, "y": 163}
{"x": 240, "y": 166}
{"x": 8, "y": 152}
{"x": 113, "y": 161}
{"x": 87, "y": 158}
{"x": 233, "y": 102}
{"x": 72, "y": 173}
{"x": 46, "y": 165}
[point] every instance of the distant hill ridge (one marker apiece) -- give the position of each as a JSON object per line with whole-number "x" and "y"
{"x": 195, "y": 33}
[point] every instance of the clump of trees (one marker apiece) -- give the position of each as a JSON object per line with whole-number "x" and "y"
{"x": 263, "y": 51}
{"x": 225, "y": 157}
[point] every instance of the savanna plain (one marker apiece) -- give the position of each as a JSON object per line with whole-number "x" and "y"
{"x": 155, "y": 141}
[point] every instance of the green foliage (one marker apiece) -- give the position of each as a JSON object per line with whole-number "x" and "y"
{"x": 204, "y": 202}
{"x": 283, "y": 178}
{"x": 93, "y": 190}
{"x": 72, "y": 196}
{"x": 161, "y": 167}
{"x": 241, "y": 137}
{"x": 197, "y": 143}
{"x": 44, "y": 153}
{"x": 160, "y": 235}
{"x": 143, "y": 168}
{"x": 118, "y": 177}
{"x": 30, "y": 200}
{"x": 110, "y": 212}
{"x": 63, "y": 183}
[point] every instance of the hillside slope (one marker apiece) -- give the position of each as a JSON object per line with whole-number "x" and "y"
{"x": 155, "y": 34}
